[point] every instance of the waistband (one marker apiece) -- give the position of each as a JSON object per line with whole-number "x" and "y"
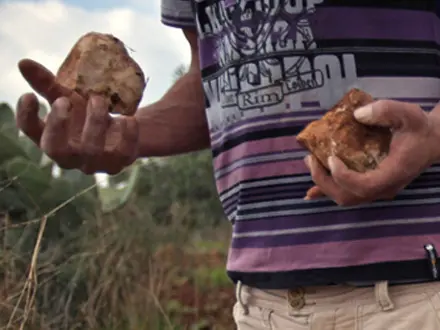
{"x": 312, "y": 299}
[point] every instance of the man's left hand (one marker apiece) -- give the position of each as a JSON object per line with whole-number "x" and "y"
{"x": 415, "y": 146}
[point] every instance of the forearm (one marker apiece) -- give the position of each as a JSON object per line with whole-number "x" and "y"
{"x": 177, "y": 123}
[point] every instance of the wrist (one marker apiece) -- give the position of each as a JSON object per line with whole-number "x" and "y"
{"x": 167, "y": 129}
{"x": 148, "y": 131}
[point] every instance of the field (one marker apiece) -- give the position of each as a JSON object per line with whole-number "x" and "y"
{"x": 121, "y": 282}
{"x": 148, "y": 256}
{"x": 147, "y": 252}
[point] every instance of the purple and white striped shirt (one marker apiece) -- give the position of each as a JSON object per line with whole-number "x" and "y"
{"x": 271, "y": 66}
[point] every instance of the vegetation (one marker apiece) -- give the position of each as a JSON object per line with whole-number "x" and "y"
{"x": 146, "y": 252}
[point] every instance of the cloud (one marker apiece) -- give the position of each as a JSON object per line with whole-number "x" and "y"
{"x": 46, "y": 30}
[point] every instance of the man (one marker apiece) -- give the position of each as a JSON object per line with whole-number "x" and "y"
{"x": 363, "y": 257}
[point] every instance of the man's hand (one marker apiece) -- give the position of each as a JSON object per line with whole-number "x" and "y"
{"x": 76, "y": 133}
{"x": 414, "y": 147}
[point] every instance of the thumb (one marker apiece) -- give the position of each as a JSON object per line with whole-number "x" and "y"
{"x": 42, "y": 80}
{"x": 392, "y": 114}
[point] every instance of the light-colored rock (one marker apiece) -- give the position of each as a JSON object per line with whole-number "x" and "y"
{"x": 100, "y": 64}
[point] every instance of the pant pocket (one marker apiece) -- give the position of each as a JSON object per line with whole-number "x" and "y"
{"x": 252, "y": 317}
{"x": 414, "y": 311}
{"x": 257, "y": 318}
{"x": 280, "y": 321}
{"x": 435, "y": 303}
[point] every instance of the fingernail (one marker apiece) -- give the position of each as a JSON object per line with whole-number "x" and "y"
{"x": 308, "y": 161}
{"x": 331, "y": 163}
{"x": 364, "y": 113}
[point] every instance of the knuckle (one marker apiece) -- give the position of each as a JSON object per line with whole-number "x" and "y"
{"x": 89, "y": 150}
{"x": 97, "y": 120}
{"x": 97, "y": 103}
{"x": 56, "y": 123}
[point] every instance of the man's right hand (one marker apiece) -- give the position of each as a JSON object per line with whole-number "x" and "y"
{"x": 76, "y": 134}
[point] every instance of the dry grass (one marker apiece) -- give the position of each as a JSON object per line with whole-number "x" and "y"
{"x": 118, "y": 271}
{"x": 30, "y": 286}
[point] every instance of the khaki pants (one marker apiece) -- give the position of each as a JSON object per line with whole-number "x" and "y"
{"x": 382, "y": 307}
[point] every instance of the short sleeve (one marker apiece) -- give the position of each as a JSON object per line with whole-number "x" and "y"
{"x": 177, "y": 13}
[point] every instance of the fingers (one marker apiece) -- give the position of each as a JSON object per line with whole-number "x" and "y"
{"x": 94, "y": 133}
{"x": 71, "y": 135}
{"x": 107, "y": 144}
{"x": 314, "y": 193}
{"x": 42, "y": 80}
{"x": 121, "y": 146}
{"x": 371, "y": 184}
{"x": 342, "y": 186}
{"x": 393, "y": 114}
{"x": 327, "y": 185}
{"x": 55, "y": 138}
{"x": 27, "y": 118}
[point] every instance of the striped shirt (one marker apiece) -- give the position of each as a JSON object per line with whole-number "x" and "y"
{"x": 269, "y": 67}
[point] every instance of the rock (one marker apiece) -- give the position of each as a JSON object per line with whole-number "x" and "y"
{"x": 338, "y": 133}
{"x": 100, "y": 64}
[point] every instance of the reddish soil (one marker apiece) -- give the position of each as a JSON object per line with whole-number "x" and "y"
{"x": 208, "y": 304}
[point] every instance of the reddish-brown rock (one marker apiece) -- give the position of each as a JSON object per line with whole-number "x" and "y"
{"x": 338, "y": 133}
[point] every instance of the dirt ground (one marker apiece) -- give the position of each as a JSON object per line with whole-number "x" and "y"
{"x": 201, "y": 295}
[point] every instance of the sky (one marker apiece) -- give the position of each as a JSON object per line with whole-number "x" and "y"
{"x": 45, "y": 31}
